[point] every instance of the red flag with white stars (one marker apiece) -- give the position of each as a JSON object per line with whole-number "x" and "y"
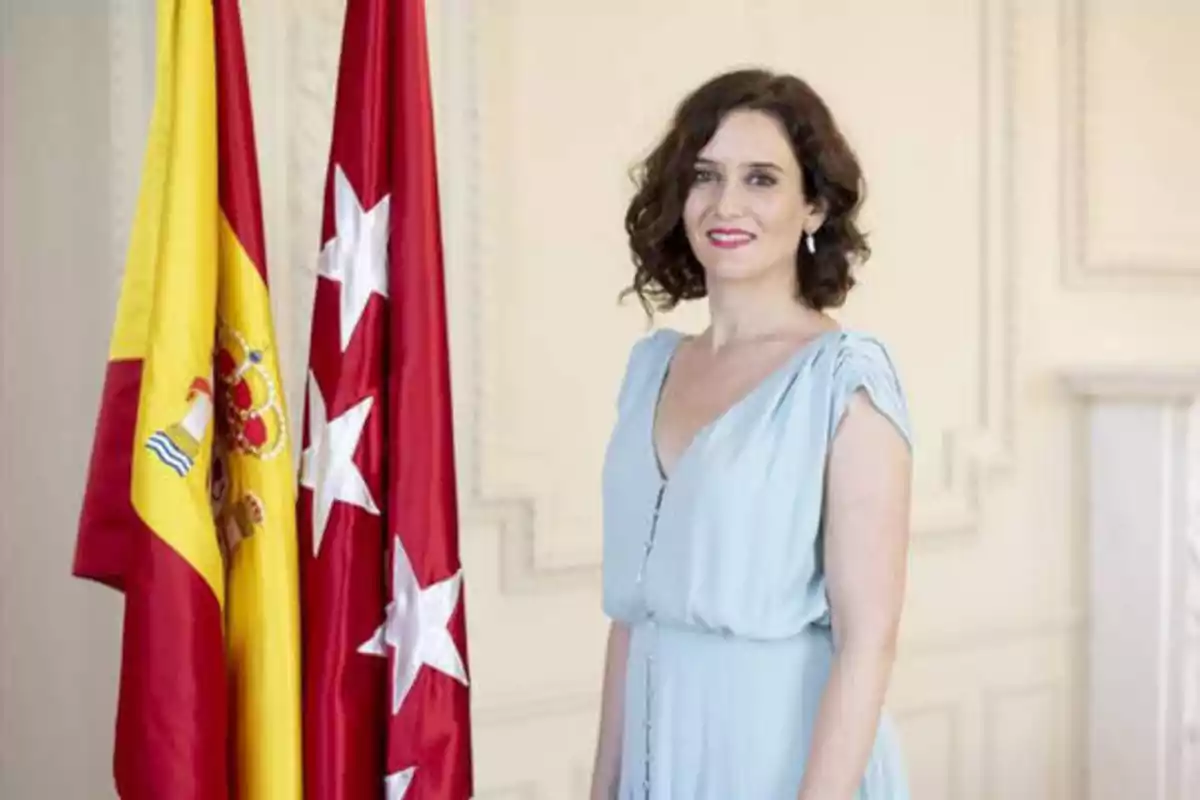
{"x": 385, "y": 660}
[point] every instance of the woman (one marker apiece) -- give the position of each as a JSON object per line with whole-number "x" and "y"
{"x": 756, "y": 486}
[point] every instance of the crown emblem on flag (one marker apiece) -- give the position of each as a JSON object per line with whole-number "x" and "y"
{"x": 250, "y": 416}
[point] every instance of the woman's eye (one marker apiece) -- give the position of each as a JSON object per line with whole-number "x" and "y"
{"x": 705, "y": 175}
{"x": 762, "y": 179}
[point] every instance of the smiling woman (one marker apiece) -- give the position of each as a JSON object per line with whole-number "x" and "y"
{"x": 756, "y": 484}
{"x": 810, "y": 164}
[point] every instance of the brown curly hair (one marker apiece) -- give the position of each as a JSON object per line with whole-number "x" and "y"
{"x": 666, "y": 268}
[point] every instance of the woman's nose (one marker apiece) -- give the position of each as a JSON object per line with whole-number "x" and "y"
{"x": 729, "y": 200}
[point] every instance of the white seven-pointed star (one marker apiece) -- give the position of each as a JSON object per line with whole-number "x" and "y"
{"x": 415, "y": 627}
{"x": 398, "y": 782}
{"x": 357, "y": 255}
{"x": 327, "y": 465}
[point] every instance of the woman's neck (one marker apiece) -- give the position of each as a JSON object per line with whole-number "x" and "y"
{"x": 743, "y": 311}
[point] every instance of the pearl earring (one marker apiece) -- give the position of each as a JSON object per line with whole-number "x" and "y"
{"x": 809, "y": 243}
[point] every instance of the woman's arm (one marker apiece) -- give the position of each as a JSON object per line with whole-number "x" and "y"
{"x": 606, "y": 773}
{"x": 866, "y": 541}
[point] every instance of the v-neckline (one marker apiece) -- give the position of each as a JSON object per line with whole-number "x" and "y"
{"x": 741, "y": 400}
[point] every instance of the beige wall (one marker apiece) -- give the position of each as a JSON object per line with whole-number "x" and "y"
{"x": 1032, "y": 206}
{"x": 59, "y": 639}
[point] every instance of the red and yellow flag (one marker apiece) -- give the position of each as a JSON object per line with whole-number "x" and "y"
{"x": 190, "y": 503}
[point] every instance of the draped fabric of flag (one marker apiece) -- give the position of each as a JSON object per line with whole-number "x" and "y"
{"x": 189, "y": 508}
{"x": 385, "y": 660}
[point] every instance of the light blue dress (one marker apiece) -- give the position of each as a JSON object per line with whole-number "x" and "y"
{"x": 717, "y": 571}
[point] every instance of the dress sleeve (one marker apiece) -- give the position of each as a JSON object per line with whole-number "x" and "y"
{"x": 863, "y": 363}
{"x": 638, "y": 368}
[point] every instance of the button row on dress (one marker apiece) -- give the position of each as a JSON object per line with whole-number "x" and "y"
{"x": 652, "y": 626}
{"x": 646, "y": 548}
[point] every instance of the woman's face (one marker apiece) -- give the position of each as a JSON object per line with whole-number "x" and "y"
{"x": 746, "y": 211}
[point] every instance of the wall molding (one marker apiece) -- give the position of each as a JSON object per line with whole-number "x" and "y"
{"x": 1053, "y": 694}
{"x": 1079, "y": 268}
{"x": 977, "y": 456}
{"x": 512, "y": 518}
{"x": 951, "y": 714}
{"x": 1133, "y": 383}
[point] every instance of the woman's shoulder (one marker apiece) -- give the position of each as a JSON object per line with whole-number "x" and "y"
{"x": 656, "y": 338}
{"x": 864, "y": 362}
{"x": 647, "y": 356}
{"x": 858, "y": 345}
{"x": 651, "y": 348}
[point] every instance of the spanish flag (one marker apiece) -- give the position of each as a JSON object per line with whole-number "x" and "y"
{"x": 189, "y": 508}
